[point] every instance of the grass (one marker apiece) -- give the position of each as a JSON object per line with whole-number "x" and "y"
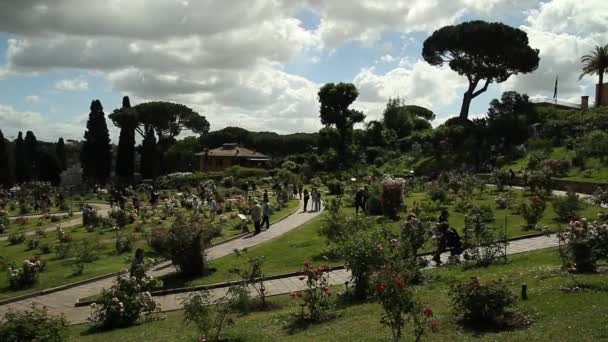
{"x": 556, "y": 315}
{"x": 58, "y": 271}
{"x": 287, "y": 252}
{"x": 31, "y": 224}
{"x": 599, "y": 171}
{"x": 15, "y": 212}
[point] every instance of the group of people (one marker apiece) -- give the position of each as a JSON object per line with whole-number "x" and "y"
{"x": 315, "y": 196}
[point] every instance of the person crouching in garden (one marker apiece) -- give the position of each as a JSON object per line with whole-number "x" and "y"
{"x": 256, "y": 217}
{"x": 137, "y": 264}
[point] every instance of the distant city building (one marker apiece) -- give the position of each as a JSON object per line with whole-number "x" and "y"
{"x": 230, "y": 154}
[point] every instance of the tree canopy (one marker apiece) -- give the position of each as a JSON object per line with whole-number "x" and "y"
{"x": 96, "y": 153}
{"x": 483, "y": 52}
{"x": 5, "y": 171}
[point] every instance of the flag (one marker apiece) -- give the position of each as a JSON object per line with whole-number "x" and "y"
{"x": 555, "y": 90}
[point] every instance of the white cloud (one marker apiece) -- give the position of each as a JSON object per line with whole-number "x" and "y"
{"x": 417, "y": 83}
{"x": 387, "y": 58}
{"x": 32, "y": 98}
{"x": 75, "y": 84}
{"x": 563, "y": 31}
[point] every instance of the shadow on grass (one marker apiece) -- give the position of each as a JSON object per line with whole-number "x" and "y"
{"x": 176, "y": 279}
{"x": 510, "y": 321}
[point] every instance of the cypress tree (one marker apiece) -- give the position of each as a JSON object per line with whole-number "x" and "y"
{"x": 96, "y": 153}
{"x": 149, "y": 156}
{"x": 31, "y": 156}
{"x": 5, "y": 171}
{"x": 49, "y": 168}
{"x": 125, "y": 157}
{"x": 60, "y": 153}
{"x": 20, "y": 163}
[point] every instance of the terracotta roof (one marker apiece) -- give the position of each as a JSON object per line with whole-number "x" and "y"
{"x": 233, "y": 150}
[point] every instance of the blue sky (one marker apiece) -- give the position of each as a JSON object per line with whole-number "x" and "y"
{"x": 259, "y": 65}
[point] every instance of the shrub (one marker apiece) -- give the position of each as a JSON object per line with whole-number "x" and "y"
{"x": 25, "y": 276}
{"x": 125, "y": 303}
{"x": 317, "y": 296}
{"x": 45, "y": 248}
{"x": 156, "y": 239}
{"x": 532, "y": 211}
{"x": 62, "y": 235}
{"x": 556, "y": 167}
{"x": 500, "y": 178}
{"x": 56, "y": 218}
{"x": 481, "y": 243}
{"x": 40, "y": 232}
{"x": 583, "y": 244}
{"x": 86, "y": 251}
{"x": 32, "y": 244}
{"x": 122, "y": 217}
{"x": 484, "y": 211}
{"x": 476, "y": 303}
{"x": 33, "y": 325}
{"x": 504, "y": 200}
{"x": 22, "y": 221}
{"x": 62, "y": 249}
{"x": 437, "y": 193}
{"x": 124, "y": 242}
{"x": 210, "y": 317}
{"x": 399, "y": 305}
{"x": 186, "y": 245}
{"x": 252, "y": 275}
{"x": 600, "y": 196}
{"x": 335, "y": 187}
{"x": 566, "y": 206}
{"x": 539, "y": 182}
{"x": 16, "y": 238}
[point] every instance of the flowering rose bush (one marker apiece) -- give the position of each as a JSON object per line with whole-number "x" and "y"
{"x": 504, "y": 200}
{"x": 399, "y": 304}
{"x": 392, "y": 196}
{"x": 122, "y": 217}
{"x": 566, "y": 206}
{"x": 532, "y": 211}
{"x": 317, "y": 297}
{"x": 26, "y": 275}
{"x": 35, "y": 324}
{"x": 125, "y": 302}
{"x": 583, "y": 244}
{"x": 500, "y": 178}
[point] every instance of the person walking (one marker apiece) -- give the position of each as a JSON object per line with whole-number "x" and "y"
{"x": 213, "y": 208}
{"x": 358, "y": 200}
{"x": 313, "y": 198}
{"x": 256, "y": 217}
{"x": 300, "y": 189}
{"x": 306, "y": 198}
{"x": 137, "y": 269}
{"x": 266, "y": 215}
{"x": 265, "y": 196}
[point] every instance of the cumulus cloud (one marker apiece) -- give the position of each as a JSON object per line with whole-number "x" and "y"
{"x": 75, "y": 84}
{"x": 32, "y": 98}
{"x": 563, "y": 31}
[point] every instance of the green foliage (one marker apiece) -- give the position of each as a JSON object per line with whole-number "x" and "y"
{"x": 505, "y": 200}
{"x": 150, "y": 156}
{"x": 26, "y": 275}
{"x": 251, "y": 273}
{"x": 21, "y": 166}
{"x": 33, "y": 325}
{"x": 566, "y": 206}
{"x": 124, "y": 242}
{"x": 596, "y": 63}
{"x": 125, "y": 157}
{"x": 500, "y": 178}
{"x": 532, "y": 211}
{"x": 211, "y": 317}
{"x": 437, "y": 193}
{"x": 482, "y": 304}
{"x": 482, "y": 243}
{"x": 5, "y": 166}
{"x": 186, "y": 245}
{"x": 595, "y": 144}
{"x": 15, "y": 238}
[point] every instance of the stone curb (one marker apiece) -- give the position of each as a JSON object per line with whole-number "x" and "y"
{"x": 113, "y": 274}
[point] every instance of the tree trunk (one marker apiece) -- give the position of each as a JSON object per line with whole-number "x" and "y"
{"x": 600, "y": 90}
{"x": 466, "y": 103}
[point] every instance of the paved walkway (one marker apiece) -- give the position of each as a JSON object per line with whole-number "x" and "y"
{"x": 102, "y": 209}
{"x": 63, "y": 301}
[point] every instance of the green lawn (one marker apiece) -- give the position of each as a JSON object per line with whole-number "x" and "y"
{"x": 27, "y": 224}
{"x": 599, "y": 171}
{"x": 556, "y": 315}
{"x": 286, "y": 253}
{"x": 58, "y": 271}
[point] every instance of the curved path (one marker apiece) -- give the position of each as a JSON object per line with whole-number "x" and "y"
{"x": 63, "y": 301}
{"x": 102, "y": 209}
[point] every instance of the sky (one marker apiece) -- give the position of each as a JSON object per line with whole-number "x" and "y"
{"x": 259, "y": 64}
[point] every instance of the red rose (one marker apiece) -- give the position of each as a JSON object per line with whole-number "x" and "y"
{"x": 381, "y": 287}
{"x": 307, "y": 263}
{"x": 427, "y": 311}
{"x": 398, "y": 282}
{"x": 294, "y": 294}
{"x": 327, "y": 291}
{"x": 320, "y": 268}
{"x": 435, "y": 325}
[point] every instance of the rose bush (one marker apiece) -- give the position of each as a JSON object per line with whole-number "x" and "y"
{"x": 126, "y": 302}
{"x": 317, "y": 296}
{"x": 583, "y": 244}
